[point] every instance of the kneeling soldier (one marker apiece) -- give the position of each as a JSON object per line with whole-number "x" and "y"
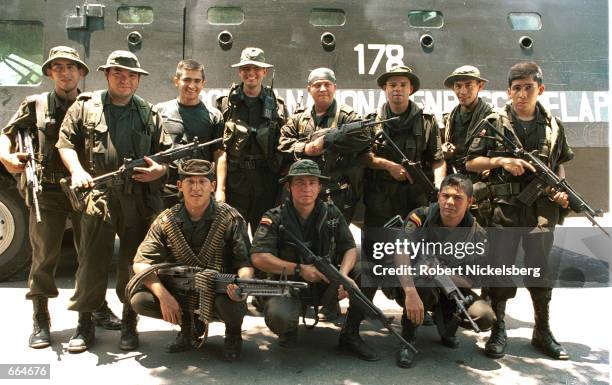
{"x": 187, "y": 233}
{"x": 320, "y": 225}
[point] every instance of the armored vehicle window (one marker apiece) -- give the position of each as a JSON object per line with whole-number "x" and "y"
{"x": 225, "y": 15}
{"x": 525, "y": 21}
{"x": 327, "y": 17}
{"x": 21, "y": 52}
{"x": 135, "y": 15}
{"x": 425, "y": 19}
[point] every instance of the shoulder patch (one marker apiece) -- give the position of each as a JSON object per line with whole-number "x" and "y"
{"x": 265, "y": 221}
{"x": 414, "y": 218}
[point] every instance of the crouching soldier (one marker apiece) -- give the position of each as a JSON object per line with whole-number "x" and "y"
{"x": 188, "y": 233}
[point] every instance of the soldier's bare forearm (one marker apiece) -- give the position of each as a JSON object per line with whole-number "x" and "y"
{"x": 70, "y": 159}
{"x": 348, "y": 261}
{"x": 439, "y": 170}
{"x": 272, "y": 264}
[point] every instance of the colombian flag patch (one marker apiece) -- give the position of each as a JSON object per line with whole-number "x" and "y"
{"x": 265, "y": 221}
{"x": 415, "y": 219}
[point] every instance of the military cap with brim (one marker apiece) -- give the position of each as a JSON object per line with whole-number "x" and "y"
{"x": 304, "y": 167}
{"x": 321, "y": 73}
{"x": 123, "y": 59}
{"x": 63, "y": 52}
{"x": 196, "y": 167}
{"x": 254, "y": 56}
{"x": 400, "y": 70}
{"x": 463, "y": 73}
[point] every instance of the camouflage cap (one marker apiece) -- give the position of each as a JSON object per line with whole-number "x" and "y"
{"x": 196, "y": 167}
{"x": 400, "y": 70}
{"x": 303, "y": 167}
{"x": 63, "y": 52}
{"x": 123, "y": 59}
{"x": 254, "y": 56}
{"x": 463, "y": 73}
{"x": 321, "y": 73}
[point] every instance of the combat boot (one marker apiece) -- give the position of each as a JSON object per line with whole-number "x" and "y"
{"x": 129, "y": 334}
{"x": 232, "y": 347}
{"x": 351, "y": 341}
{"x": 41, "y": 336}
{"x": 542, "y": 338}
{"x": 405, "y": 356}
{"x": 183, "y": 341}
{"x": 105, "y": 318}
{"x": 84, "y": 335}
{"x": 496, "y": 345}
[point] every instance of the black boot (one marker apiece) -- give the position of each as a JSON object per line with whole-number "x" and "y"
{"x": 542, "y": 338}
{"x": 84, "y": 334}
{"x": 350, "y": 340}
{"x": 405, "y": 356}
{"x": 105, "y": 318}
{"x": 183, "y": 341}
{"x": 41, "y": 336}
{"x": 232, "y": 347}
{"x": 496, "y": 345}
{"x": 129, "y": 335}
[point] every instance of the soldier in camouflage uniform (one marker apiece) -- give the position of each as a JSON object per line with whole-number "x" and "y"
{"x": 194, "y": 218}
{"x": 322, "y": 226}
{"x": 336, "y": 154}
{"x": 460, "y": 123}
{"x": 534, "y": 128}
{"x": 41, "y": 115}
{"x": 187, "y": 117}
{"x": 389, "y": 190}
{"x": 100, "y": 130}
{"x": 249, "y": 169}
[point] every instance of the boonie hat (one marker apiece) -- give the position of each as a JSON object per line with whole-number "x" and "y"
{"x": 197, "y": 167}
{"x": 400, "y": 70}
{"x": 63, "y": 52}
{"x": 463, "y": 73}
{"x": 303, "y": 167}
{"x": 125, "y": 60}
{"x": 254, "y": 56}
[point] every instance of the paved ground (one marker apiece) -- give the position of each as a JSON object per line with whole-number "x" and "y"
{"x": 578, "y": 324}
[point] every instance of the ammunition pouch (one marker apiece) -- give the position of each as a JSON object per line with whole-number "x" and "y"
{"x": 505, "y": 189}
{"x": 530, "y": 193}
{"x": 236, "y": 137}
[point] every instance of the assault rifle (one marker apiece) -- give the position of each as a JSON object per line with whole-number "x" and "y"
{"x": 335, "y": 278}
{"x": 413, "y": 168}
{"x": 24, "y": 144}
{"x": 123, "y": 175}
{"x": 348, "y": 128}
{"x": 545, "y": 178}
{"x": 446, "y": 284}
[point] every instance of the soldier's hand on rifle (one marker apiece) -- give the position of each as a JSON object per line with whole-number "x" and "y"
{"x": 311, "y": 274}
{"x": 170, "y": 308}
{"x": 399, "y": 173}
{"x": 448, "y": 149}
{"x": 231, "y": 292}
{"x": 152, "y": 172}
{"x": 559, "y": 197}
{"x": 316, "y": 147}
{"x": 15, "y": 162}
{"x": 516, "y": 166}
{"x": 342, "y": 294}
{"x": 415, "y": 310}
{"x": 81, "y": 178}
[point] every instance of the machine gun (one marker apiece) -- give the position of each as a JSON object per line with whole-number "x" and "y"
{"x": 24, "y": 144}
{"x": 446, "y": 284}
{"x": 122, "y": 176}
{"x": 413, "y": 168}
{"x": 336, "y": 278}
{"x": 189, "y": 283}
{"x": 545, "y": 179}
{"x": 348, "y": 128}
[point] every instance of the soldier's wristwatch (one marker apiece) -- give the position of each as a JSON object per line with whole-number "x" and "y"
{"x": 297, "y": 270}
